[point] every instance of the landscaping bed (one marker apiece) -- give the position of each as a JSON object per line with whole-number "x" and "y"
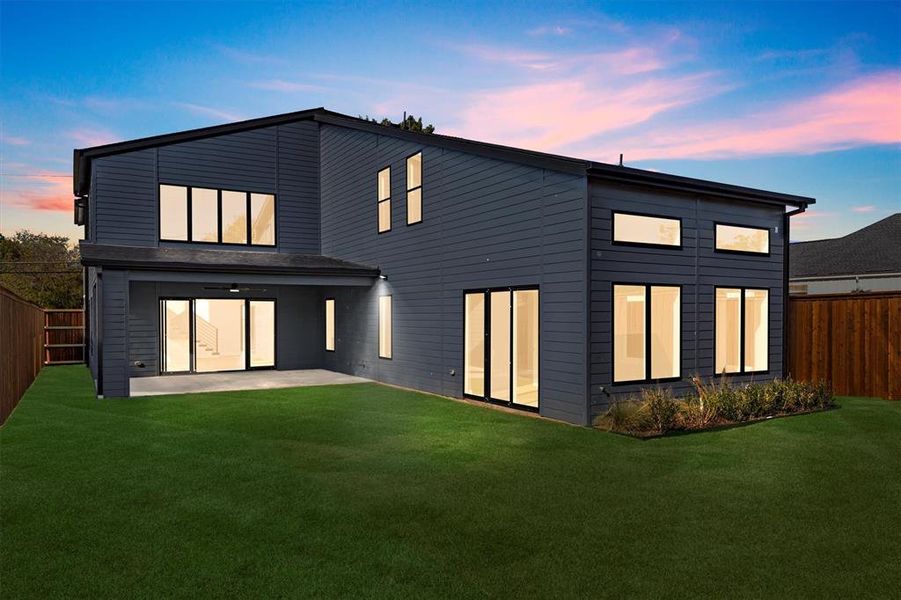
{"x": 716, "y": 403}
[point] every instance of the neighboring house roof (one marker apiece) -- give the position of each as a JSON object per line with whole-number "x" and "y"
{"x": 82, "y": 158}
{"x": 218, "y": 260}
{"x": 873, "y": 249}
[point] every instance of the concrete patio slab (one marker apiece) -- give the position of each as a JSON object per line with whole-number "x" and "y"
{"x": 239, "y": 380}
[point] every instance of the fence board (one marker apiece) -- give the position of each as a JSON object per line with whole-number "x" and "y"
{"x": 853, "y": 341}
{"x": 21, "y": 348}
{"x": 63, "y": 336}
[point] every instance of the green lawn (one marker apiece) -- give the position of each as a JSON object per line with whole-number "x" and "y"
{"x": 364, "y": 490}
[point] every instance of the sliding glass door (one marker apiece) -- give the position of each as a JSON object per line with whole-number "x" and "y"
{"x": 205, "y": 335}
{"x": 500, "y": 352}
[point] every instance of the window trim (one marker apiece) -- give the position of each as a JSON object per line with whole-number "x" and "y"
{"x": 413, "y": 189}
{"x": 378, "y": 201}
{"x": 190, "y": 211}
{"x": 613, "y": 240}
{"x": 334, "y": 324}
{"x": 487, "y": 358}
{"x": 716, "y": 250}
{"x": 741, "y": 331}
{"x": 390, "y": 326}
{"x": 647, "y": 332}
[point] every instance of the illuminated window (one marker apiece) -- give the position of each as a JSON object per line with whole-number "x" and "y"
{"x": 414, "y": 189}
{"x": 216, "y": 216}
{"x": 642, "y": 229}
{"x": 384, "y": 326}
{"x": 732, "y": 238}
{"x": 174, "y": 212}
{"x": 234, "y": 217}
{"x": 384, "y": 199}
{"x": 330, "y": 324}
{"x": 204, "y": 215}
{"x": 742, "y": 330}
{"x": 646, "y": 317}
{"x": 262, "y": 219}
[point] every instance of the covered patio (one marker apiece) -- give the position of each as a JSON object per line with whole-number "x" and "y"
{"x": 237, "y": 381}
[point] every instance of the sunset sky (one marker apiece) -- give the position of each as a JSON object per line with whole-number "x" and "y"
{"x": 798, "y": 98}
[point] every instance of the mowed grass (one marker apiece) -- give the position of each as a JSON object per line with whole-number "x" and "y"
{"x": 369, "y": 491}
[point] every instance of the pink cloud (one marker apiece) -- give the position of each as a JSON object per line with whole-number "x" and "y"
{"x": 863, "y": 209}
{"x": 86, "y": 138}
{"x": 554, "y": 115}
{"x": 48, "y": 191}
{"x": 865, "y": 111}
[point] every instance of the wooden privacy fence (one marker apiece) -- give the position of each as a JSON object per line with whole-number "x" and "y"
{"x": 63, "y": 336}
{"x": 21, "y": 348}
{"x": 854, "y": 341}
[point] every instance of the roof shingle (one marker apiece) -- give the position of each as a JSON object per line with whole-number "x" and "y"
{"x": 873, "y": 249}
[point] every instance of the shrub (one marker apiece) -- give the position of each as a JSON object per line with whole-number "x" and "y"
{"x": 656, "y": 410}
{"x": 624, "y": 417}
{"x": 662, "y": 408}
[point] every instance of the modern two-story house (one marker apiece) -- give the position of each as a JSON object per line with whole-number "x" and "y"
{"x": 317, "y": 240}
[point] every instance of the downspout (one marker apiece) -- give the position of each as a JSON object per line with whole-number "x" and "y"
{"x": 785, "y": 298}
{"x": 99, "y": 328}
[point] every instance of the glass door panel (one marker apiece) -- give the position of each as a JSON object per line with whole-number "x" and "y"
{"x": 262, "y": 333}
{"x": 525, "y": 347}
{"x": 474, "y": 345}
{"x": 176, "y": 336}
{"x": 500, "y": 346}
{"x": 219, "y": 343}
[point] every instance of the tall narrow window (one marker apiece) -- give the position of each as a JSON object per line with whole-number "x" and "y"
{"x": 647, "y": 331}
{"x": 742, "y": 330}
{"x": 262, "y": 219}
{"x": 525, "y": 347}
{"x": 384, "y": 200}
{"x": 385, "y": 326}
{"x": 732, "y": 238}
{"x": 414, "y": 189}
{"x": 474, "y": 345}
{"x": 234, "y": 217}
{"x": 173, "y": 212}
{"x": 330, "y": 324}
{"x": 262, "y": 333}
{"x": 500, "y": 354}
{"x": 646, "y": 230}
{"x": 204, "y": 215}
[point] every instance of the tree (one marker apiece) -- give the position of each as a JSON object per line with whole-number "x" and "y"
{"x": 409, "y": 123}
{"x": 42, "y": 269}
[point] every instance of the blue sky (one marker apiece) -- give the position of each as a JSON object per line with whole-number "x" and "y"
{"x": 801, "y": 98}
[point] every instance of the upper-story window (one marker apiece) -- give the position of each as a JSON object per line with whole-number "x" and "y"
{"x": 414, "y": 189}
{"x": 736, "y": 238}
{"x": 384, "y": 199}
{"x": 646, "y": 230}
{"x": 211, "y": 216}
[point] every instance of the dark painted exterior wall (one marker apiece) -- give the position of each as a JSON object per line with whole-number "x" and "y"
{"x": 281, "y": 160}
{"x": 696, "y": 267}
{"x": 486, "y": 224}
{"x": 298, "y": 317}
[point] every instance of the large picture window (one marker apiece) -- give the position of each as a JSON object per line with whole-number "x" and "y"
{"x": 646, "y": 230}
{"x": 734, "y": 238}
{"x": 647, "y": 331}
{"x": 414, "y": 189}
{"x": 384, "y": 199}
{"x": 212, "y": 216}
{"x": 742, "y": 330}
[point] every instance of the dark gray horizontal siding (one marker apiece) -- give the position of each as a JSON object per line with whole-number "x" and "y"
{"x": 695, "y": 266}
{"x": 275, "y": 160}
{"x": 486, "y": 223}
{"x": 298, "y": 322}
{"x": 114, "y": 306}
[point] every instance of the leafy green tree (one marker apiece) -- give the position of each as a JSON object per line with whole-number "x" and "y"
{"x": 42, "y": 269}
{"x": 409, "y": 123}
